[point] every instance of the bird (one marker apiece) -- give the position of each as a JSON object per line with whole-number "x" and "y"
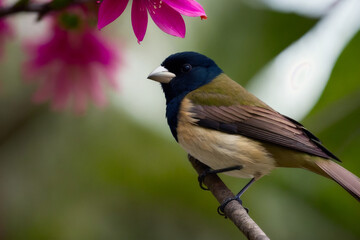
{"x": 221, "y": 124}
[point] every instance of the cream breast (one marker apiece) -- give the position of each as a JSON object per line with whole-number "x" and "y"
{"x": 220, "y": 150}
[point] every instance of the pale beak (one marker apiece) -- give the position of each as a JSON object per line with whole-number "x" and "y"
{"x": 161, "y": 74}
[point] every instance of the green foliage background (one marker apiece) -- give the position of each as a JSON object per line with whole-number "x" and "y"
{"x": 105, "y": 176}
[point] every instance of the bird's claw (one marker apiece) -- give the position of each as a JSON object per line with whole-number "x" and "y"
{"x": 221, "y": 208}
{"x": 201, "y": 178}
{"x": 208, "y": 171}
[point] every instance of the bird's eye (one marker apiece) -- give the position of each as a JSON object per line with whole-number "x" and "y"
{"x": 186, "y": 68}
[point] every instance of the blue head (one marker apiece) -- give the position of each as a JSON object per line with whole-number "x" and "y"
{"x": 180, "y": 74}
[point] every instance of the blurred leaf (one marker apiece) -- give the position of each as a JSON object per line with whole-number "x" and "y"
{"x": 69, "y": 20}
{"x": 247, "y": 38}
{"x": 59, "y": 4}
{"x": 336, "y": 120}
{"x": 21, "y": 3}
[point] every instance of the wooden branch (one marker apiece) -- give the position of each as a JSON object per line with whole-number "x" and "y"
{"x": 233, "y": 210}
{"x": 40, "y": 8}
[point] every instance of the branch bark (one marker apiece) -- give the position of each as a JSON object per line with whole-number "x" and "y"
{"x": 233, "y": 210}
{"x": 40, "y": 8}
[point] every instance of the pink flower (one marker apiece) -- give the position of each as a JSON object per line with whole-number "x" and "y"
{"x": 165, "y": 13}
{"x": 5, "y": 32}
{"x": 71, "y": 66}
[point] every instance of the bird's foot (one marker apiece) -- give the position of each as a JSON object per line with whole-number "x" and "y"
{"x": 221, "y": 208}
{"x": 209, "y": 171}
{"x": 201, "y": 178}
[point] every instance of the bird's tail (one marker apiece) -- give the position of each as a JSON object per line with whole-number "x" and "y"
{"x": 343, "y": 177}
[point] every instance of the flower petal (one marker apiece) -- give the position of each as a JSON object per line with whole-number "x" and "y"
{"x": 79, "y": 92}
{"x": 139, "y": 19}
{"x": 110, "y": 10}
{"x": 166, "y": 18}
{"x": 95, "y": 88}
{"x": 63, "y": 84}
{"x": 189, "y": 8}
